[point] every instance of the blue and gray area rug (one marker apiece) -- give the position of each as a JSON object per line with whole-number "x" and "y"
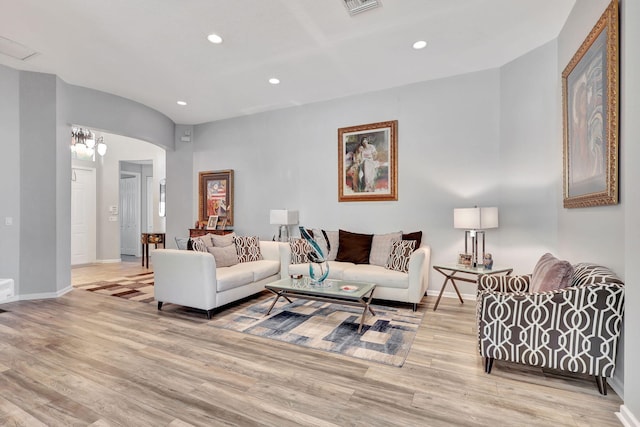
{"x": 385, "y": 338}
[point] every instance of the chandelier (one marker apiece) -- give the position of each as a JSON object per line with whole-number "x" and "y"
{"x": 85, "y": 140}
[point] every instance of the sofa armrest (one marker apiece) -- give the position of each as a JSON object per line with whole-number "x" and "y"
{"x": 185, "y": 277}
{"x": 502, "y": 283}
{"x": 574, "y": 329}
{"x": 419, "y": 264}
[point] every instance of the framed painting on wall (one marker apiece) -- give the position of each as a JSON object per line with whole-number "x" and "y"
{"x": 590, "y": 117}
{"x": 216, "y": 196}
{"x": 368, "y": 162}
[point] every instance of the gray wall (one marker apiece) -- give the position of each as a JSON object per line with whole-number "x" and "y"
{"x": 9, "y": 173}
{"x": 38, "y": 184}
{"x": 596, "y": 234}
{"x": 630, "y": 174}
{"x": 530, "y": 157}
{"x": 37, "y": 111}
{"x": 448, "y": 157}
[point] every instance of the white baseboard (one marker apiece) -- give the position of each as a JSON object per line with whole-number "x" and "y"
{"x": 43, "y": 295}
{"x": 627, "y": 418}
{"x": 108, "y": 261}
{"x": 451, "y": 294}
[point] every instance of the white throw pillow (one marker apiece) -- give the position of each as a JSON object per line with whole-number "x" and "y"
{"x": 222, "y": 240}
{"x": 381, "y": 247}
{"x": 225, "y": 256}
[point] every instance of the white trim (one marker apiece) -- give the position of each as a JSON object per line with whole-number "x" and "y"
{"x": 44, "y": 295}
{"x": 452, "y": 294}
{"x": 108, "y": 261}
{"x": 617, "y": 386}
{"x": 627, "y": 418}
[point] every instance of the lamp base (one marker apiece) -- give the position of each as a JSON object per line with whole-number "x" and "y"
{"x": 283, "y": 233}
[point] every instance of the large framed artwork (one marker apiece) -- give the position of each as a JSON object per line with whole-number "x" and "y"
{"x": 590, "y": 117}
{"x": 216, "y": 196}
{"x": 368, "y": 162}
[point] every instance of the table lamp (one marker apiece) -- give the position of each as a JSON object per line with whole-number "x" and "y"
{"x": 474, "y": 221}
{"x": 283, "y": 218}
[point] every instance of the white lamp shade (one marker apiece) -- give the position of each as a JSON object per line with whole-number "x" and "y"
{"x": 283, "y": 217}
{"x": 475, "y": 218}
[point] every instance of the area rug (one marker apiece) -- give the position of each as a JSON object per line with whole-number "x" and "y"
{"x": 385, "y": 338}
{"x": 136, "y": 288}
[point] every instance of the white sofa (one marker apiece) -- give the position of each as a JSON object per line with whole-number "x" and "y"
{"x": 391, "y": 285}
{"x": 191, "y": 278}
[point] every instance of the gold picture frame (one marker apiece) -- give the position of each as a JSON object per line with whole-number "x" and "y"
{"x": 590, "y": 85}
{"x": 216, "y": 196}
{"x": 368, "y": 162}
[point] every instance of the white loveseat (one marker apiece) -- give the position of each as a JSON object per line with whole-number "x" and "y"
{"x": 393, "y": 285}
{"x": 191, "y": 278}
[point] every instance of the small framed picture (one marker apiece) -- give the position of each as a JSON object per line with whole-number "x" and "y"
{"x": 213, "y": 222}
{"x": 222, "y": 224}
{"x": 464, "y": 260}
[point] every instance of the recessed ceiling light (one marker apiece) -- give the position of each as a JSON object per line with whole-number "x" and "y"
{"x": 421, "y": 44}
{"x": 274, "y": 81}
{"x": 181, "y": 103}
{"x": 214, "y": 38}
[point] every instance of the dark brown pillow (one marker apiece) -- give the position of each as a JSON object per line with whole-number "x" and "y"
{"x": 550, "y": 274}
{"x": 354, "y": 247}
{"x": 416, "y": 235}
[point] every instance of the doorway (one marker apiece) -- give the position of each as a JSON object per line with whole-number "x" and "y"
{"x": 130, "y": 214}
{"x": 83, "y": 215}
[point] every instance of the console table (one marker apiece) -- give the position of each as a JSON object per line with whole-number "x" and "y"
{"x": 150, "y": 238}
{"x": 450, "y": 271}
{"x": 197, "y": 232}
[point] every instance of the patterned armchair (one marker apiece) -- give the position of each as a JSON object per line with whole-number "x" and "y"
{"x": 575, "y": 329}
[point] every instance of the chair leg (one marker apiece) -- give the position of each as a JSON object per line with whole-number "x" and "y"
{"x": 209, "y": 312}
{"x": 415, "y": 307}
{"x": 488, "y": 364}
{"x": 602, "y": 384}
{"x": 159, "y": 305}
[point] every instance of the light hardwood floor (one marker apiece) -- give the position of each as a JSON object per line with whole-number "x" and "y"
{"x": 89, "y": 359}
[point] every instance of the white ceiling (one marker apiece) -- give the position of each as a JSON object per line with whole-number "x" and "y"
{"x": 155, "y": 51}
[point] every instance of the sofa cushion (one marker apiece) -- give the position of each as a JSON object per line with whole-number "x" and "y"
{"x": 400, "y": 254}
{"x": 225, "y": 256}
{"x": 354, "y": 247}
{"x": 336, "y": 269}
{"x": 198, "y": 244}
{"x": 416, "y": 235}
{"x": 248, "y": 248}
{"x": 550, "y": 274}
{"x": 234, "y": 276}
{"x": 299, "y": 251}
{"x": 381, "y": 247}
{"x": 263, "y": 269}
{"x": 222, "y": 240}
{"x": 375, "y": 274}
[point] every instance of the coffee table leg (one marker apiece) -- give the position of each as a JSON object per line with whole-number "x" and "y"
{"x": 275, "y": 300}
{"x": 367, "y": 306}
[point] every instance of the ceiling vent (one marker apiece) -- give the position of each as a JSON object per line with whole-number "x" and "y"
{"x": 15, "y": 49}
{"x": 357, "y": 6}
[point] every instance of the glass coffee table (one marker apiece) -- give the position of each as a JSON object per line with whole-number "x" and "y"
{"x": 331, "y": 290}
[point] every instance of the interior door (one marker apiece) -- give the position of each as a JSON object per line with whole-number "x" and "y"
{"x": 130, "y": 215}
{"x": 83, "y": 216}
